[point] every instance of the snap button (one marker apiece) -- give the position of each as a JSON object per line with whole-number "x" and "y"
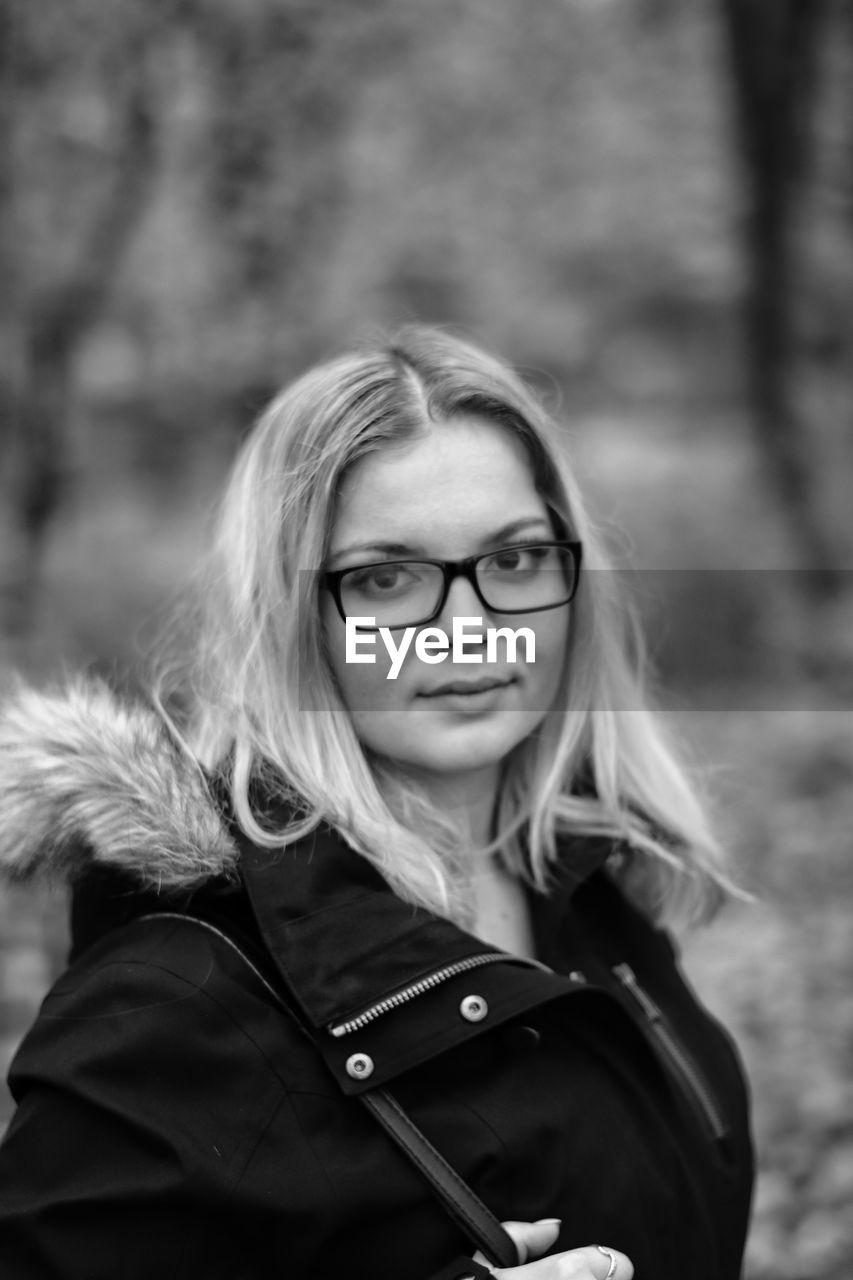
{"x": 473, "y": 1008}
{"x": 359, "y": 1066}
{"x": 521, "y": 1037}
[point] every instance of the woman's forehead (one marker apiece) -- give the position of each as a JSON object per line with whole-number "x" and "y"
{"x": 466, "y": 478}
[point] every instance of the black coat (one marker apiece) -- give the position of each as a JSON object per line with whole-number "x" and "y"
{"x": 174, "y": 1122}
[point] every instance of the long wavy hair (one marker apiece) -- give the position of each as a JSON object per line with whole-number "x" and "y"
{"x": 263, "y": 706}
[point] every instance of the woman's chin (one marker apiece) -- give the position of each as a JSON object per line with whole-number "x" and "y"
{"x": 466, "y": 744}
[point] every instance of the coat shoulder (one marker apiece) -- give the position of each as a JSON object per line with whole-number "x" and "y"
{"x": 166, "y": 986}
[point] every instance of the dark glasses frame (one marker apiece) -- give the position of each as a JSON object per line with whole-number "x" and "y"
{"x": 331, "y": 579}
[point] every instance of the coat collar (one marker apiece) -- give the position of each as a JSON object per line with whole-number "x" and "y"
{"x": 342, "y": 940}
{"x": 336, "y": 937}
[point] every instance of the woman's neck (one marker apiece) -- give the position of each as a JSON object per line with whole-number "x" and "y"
{"x": 500, "y": 904}
{"x": 502, "y": 910}
{"x": 470, "y": 801}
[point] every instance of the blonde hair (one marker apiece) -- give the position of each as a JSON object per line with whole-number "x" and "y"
{"x": 264, "y": 708}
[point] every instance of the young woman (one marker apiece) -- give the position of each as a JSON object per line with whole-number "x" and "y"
{"x": 418, "y": 836}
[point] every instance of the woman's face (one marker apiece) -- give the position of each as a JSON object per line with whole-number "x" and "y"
{"x": 461, "y": 489}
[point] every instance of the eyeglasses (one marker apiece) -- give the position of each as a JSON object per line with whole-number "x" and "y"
{"x": 525, "y": 578}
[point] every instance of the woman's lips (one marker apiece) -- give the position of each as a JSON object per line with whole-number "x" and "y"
{"x": 467, "y": 688}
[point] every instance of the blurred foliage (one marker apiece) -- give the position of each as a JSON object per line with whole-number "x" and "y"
{"x": 198, "y": 197}
{"x": 779, "y": 972}
{"x": 201, "y": 196}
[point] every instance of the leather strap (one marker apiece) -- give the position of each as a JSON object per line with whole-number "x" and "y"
{"x": 464, "y": 1206}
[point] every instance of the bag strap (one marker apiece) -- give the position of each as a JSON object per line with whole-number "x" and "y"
{"x": 459, "y": 1200}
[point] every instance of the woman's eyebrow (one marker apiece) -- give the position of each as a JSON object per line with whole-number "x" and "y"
{"x": 377, "y": 548}
{"x": 409, "y": 549}
{"x": 516, "y": 527}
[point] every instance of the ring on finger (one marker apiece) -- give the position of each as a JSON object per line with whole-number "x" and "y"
{"x": 608, "y": 1253}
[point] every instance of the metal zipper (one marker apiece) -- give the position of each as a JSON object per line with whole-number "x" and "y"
{"x": 684, "y": 1065}
{"x": 414, "y": 989}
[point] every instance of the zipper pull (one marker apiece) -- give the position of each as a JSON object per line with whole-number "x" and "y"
{"x": 677, "y": 1056}
{"x": 628, "y": 978}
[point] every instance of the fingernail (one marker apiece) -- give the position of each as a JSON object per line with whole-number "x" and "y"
{"x": 541, "y": 1222}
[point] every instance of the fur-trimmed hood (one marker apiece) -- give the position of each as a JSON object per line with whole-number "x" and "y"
{"x": 87, "y": 778}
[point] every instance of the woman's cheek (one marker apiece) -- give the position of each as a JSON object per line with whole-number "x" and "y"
{"x": 365, "y": 685}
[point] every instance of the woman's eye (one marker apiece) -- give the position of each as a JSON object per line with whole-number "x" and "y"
{"x": 518, "y": 559}
{"x": 381, "y": 579}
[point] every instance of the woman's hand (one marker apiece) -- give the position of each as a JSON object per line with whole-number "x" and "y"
{"x": 588, "y": 1263}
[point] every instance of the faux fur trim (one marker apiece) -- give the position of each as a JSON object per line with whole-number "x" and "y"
{"x": 88, "y": 778}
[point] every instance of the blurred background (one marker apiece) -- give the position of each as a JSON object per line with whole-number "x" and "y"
{"x": 647, "y": 205}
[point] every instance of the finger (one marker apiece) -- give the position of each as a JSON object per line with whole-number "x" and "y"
{"x": 603, "y": 1262}
{"x": 531, "y": 1239}
{"x": 587, "y": 1263}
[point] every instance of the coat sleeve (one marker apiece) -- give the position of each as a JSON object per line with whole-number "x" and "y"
{"x": 138, "y": 1110}
{"x": 143, "y": 1100}
{"x": 463, "y": 1269}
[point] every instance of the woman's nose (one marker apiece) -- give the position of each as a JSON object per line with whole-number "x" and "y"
{"x": 462, "y": 602}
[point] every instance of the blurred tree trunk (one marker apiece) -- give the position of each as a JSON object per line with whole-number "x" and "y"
{"x": 10, "y": 363}
{"x": 773, "y": 47}
{"x": 36, "y": 381}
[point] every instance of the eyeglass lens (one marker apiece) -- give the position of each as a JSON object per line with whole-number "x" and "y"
{"x": 403, "y": 593}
